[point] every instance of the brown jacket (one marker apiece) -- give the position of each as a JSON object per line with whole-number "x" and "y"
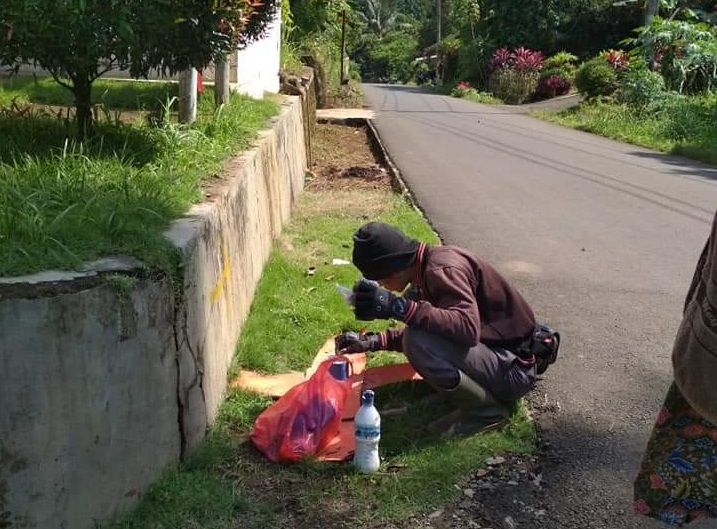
{"x": 462, "y": 297}
{"x": 694, "y": 355}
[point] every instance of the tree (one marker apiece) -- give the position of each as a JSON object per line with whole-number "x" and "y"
{"x": 316, "y": 16}
{"x": 78, "y": 41}
{"x": 463, "y": 16}
{"x": 380, "y": 16}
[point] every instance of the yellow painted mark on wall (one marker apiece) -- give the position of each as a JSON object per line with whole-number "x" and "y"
{"x": 225, "y": 282}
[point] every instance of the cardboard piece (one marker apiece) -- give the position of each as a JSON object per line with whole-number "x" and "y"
{"x": 343, "y": 446}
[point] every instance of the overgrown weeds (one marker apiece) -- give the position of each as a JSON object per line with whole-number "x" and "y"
{"x": 63, "y": 203}
{"x": 677, "y": 124}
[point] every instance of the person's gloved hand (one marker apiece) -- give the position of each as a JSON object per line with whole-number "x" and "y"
{"x": 356, "y": 342}
{"x": 373, "y": 302}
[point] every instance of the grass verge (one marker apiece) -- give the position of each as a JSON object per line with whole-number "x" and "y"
{"x": 115, "y": 94}
{"x": 296, "y": 307}
{"x": 679, "y": 125}
{"x": 63, "y": 203}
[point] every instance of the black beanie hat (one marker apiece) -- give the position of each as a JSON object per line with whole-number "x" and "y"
{"x": 381, "y": 250}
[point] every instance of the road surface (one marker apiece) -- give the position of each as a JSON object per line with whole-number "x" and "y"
{"x": 601, "y": 237}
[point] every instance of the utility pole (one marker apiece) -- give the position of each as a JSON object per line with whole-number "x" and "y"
{"x": 652, "y": 8}
{"x": 343, "y": 79}
{"x": 439, "y": 20}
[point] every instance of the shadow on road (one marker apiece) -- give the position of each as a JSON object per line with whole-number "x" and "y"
{"x": 681, "y": 165}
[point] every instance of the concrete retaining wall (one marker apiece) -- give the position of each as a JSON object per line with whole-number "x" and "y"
{"x": 108, "y": 375}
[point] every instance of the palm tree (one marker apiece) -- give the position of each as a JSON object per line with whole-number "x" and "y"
{"x": 380, "y": 16}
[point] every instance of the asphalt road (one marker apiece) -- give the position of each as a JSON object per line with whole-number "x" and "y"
{"x": 601, "y": 237}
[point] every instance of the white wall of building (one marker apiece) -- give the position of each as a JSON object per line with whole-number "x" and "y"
{"x": 258, "y": 64}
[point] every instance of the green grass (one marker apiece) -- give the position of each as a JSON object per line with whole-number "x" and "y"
{"x": 63, "y": 203}
{"x": 303, "y": 309}
{"x": 482, "y": 97}
{"x": 292, "y": 315}
{"x": 680, "y": 125}
{"x": 115, "y": 94}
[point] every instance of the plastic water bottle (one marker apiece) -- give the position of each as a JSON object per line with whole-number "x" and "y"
{"x": 367, "y": 432}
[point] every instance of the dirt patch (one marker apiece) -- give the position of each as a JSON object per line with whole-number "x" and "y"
{"x": 343, "y": 160}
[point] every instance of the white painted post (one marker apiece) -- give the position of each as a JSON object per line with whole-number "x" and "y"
{"x": 188, "y": 96}
{"x": 221, "y": 82}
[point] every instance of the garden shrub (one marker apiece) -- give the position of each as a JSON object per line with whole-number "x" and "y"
{"x": 515, "y": 74}
{"x": 563, "y": 60}
{"x": 597, "y": 77}
{"x": 512, "y": 86}
{"x": 557, "y": 76}
{"x": 553, "y": 83}
{"x": 463, "y": 89}
{"x": 640, "y": 87}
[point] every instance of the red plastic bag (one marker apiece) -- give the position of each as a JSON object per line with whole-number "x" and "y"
{"x": 305, "y": 419}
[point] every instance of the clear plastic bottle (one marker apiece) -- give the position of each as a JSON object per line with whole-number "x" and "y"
{"x": 367, "y": 432}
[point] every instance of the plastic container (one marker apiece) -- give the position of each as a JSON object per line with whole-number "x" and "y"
{"x": 367, "y": 433}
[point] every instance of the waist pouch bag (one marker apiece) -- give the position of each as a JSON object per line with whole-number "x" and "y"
{"x": 544, "y": 346}
{"x": 305, "y": 419}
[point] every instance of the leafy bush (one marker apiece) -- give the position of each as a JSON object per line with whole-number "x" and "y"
{"x": 640, "y": 87}
{"x": 597, "y": 77}
{"x": 460, "y": 89}
{"x": 388, "y": 59}
{"x": 465, "y": 91}
{"x": 554, "y": 83}
{"x": 688, "y": 118}
{"x": 448, "y": 51}
{"x": 562, "y": 60}
{"x": 472, "y": 61}
{"x": 515, "y": 74}
{"x": 685, "y": 52}
{"x": 557, "y": 76}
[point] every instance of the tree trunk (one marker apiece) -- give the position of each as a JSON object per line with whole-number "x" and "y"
{"x": 651, "y": 9}
{"x": 188, "y": 96}
{"x": 82, "y": 88}
{"x": 221, "y": 82}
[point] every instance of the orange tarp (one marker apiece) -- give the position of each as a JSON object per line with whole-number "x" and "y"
{"x": 361, "y": 378}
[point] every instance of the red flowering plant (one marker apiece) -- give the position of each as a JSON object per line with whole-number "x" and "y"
{"x": 514, "y": 73}
{"x": 501, "y": 58}
{"x": 526, "y": 60}
{"x": 461, "y": 89}
{"x": 618, "y": 59}
{"x": 553, "y": 85}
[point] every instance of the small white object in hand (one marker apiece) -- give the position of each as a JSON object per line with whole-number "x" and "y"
{"x": 347, "y": 293}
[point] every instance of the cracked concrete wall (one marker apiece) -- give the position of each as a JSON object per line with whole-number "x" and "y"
{"x": 226, "y": 244}
{"x": 88, "y": 405}
{"x": 102, "y": 385}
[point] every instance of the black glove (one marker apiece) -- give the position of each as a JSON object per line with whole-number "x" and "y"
{"x": 355, "y": 342}
{"x": 373, "y": 302}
